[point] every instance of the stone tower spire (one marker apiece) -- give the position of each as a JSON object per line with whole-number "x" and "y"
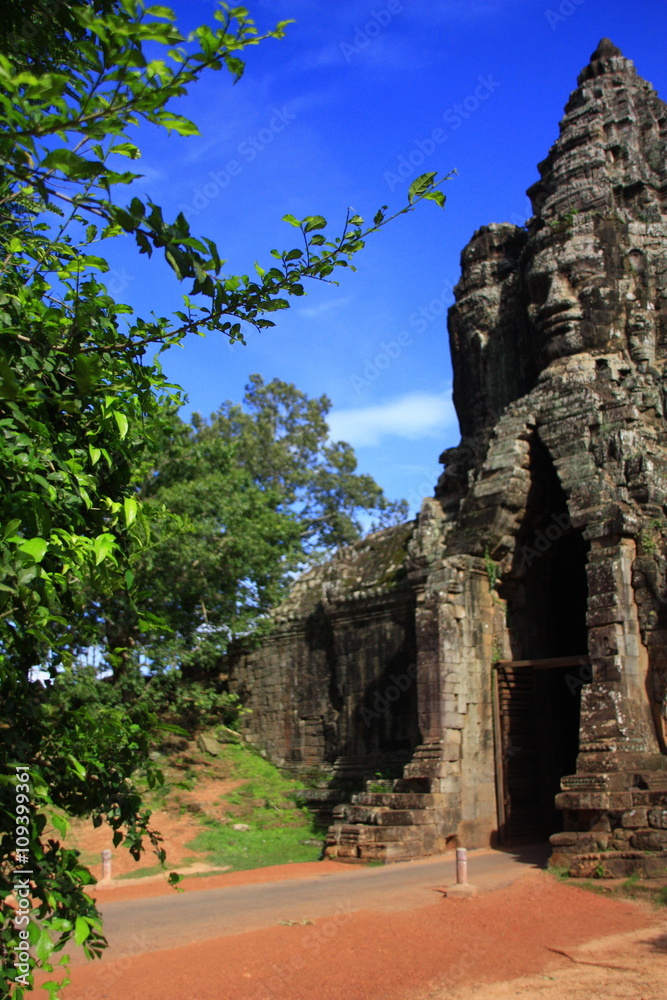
{"x": 611, "y": 152}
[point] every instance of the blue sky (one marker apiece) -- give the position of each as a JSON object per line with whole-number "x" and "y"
{"x": 357, "y": 100}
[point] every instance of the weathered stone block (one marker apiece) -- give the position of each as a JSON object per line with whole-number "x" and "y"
{"x": 209, "y": 745}
{"x": 584, "y": 800}
{"x": 658, "y": 818}
{"x": 650, "y": 840}
{"x": 635, "y": 818}
{"x": 565, "y": 839}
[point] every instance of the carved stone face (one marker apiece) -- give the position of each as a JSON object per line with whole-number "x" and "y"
{"x": 573, "y": 305}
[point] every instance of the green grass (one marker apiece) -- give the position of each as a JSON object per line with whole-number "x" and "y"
{"x": 634, "y": 887}
{"x": 265, "y": 802}
{"x": 255, "y": 849}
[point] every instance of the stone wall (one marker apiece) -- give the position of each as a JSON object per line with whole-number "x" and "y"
{"x": 334, "y": 685}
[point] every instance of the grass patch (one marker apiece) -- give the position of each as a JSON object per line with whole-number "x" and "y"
{"x": 633, "y": 887}
{"x": 256, "y": 849}
{"x": 266, "y": 803}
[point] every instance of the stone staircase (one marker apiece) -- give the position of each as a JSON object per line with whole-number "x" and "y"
{"x": 393, "y": 825}
{"x": 621, "y": 804}
{"x": 387, "y": 826}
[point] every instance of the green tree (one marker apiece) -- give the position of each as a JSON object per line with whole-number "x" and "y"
{"x": 254, "y": 493}
{"x": 283, "y": 442}
{"x": 79, "y": 401}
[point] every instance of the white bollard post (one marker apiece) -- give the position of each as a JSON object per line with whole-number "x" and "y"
{"x": 106, "y": 865}
{"x": 461, "y": 866}
{"x": 462, "y": 889}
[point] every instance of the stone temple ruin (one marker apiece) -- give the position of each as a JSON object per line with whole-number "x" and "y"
{"x": 504, "y": 656}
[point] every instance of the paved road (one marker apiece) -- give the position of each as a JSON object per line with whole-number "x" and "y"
{"x": 141, "y": 925}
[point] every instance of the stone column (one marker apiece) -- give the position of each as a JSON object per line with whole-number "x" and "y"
{"x": 615, "y": 705}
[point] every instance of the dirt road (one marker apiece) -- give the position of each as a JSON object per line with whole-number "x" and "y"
{"x": 535, "y": 938}
{"x": 229, "y": 909}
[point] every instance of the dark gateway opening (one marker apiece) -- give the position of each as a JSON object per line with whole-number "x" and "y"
{"x": 538, "y": 692}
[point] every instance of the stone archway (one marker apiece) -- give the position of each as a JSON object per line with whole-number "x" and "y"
{"x": 538, "y": 691}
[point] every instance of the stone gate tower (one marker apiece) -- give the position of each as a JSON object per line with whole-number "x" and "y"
{"x": 520, "y": 624}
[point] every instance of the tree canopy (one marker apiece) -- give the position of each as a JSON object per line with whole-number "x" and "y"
{"x": 81, "y": 403}
{"x": 252, "y": 495}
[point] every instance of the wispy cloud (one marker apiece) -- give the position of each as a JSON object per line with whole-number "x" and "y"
{"x": 415, "y": 415}
{"x": 332, "y": 306}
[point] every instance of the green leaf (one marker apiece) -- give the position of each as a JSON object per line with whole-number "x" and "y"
{"x": 437, "y": 196}
{"x": 35, "y": 548}
{"x": 44, "y": 946}
{"x": 174, "y": 879}
{"x": 177, "y": 123}
{"x": 61, "y": 823}
{"x": 87, "y": 371}
{"x": 103, "y": 547}
{"x": 10, "y": 386}
{"x": 158, "y": 11}
{"x": 81, "y": 930}
{"x": 126, "y": 149}
{"x": 130, "y": 510}
{"x": 79, "y": 769}
{"x": 314, "y": 222}
{"x": 420, "y": 186}
{"x": 293, "y": 221}
{"x": 123, "y": 423}
{"x": 10, "y": 528}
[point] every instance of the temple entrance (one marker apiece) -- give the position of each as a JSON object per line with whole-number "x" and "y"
{"x": 538, "y": 692}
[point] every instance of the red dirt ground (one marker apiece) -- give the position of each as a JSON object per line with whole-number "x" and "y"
{"x": 175, "y": 830}
{"x": 468, "y": 950}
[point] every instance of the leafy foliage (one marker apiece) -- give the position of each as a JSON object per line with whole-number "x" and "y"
{"x": 253, "y": 493}
{"x": 80, "y": 403}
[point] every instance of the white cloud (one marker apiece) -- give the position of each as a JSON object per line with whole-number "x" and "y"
{"x": 329, "y": 306}
{"x": 415, "y": 415}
